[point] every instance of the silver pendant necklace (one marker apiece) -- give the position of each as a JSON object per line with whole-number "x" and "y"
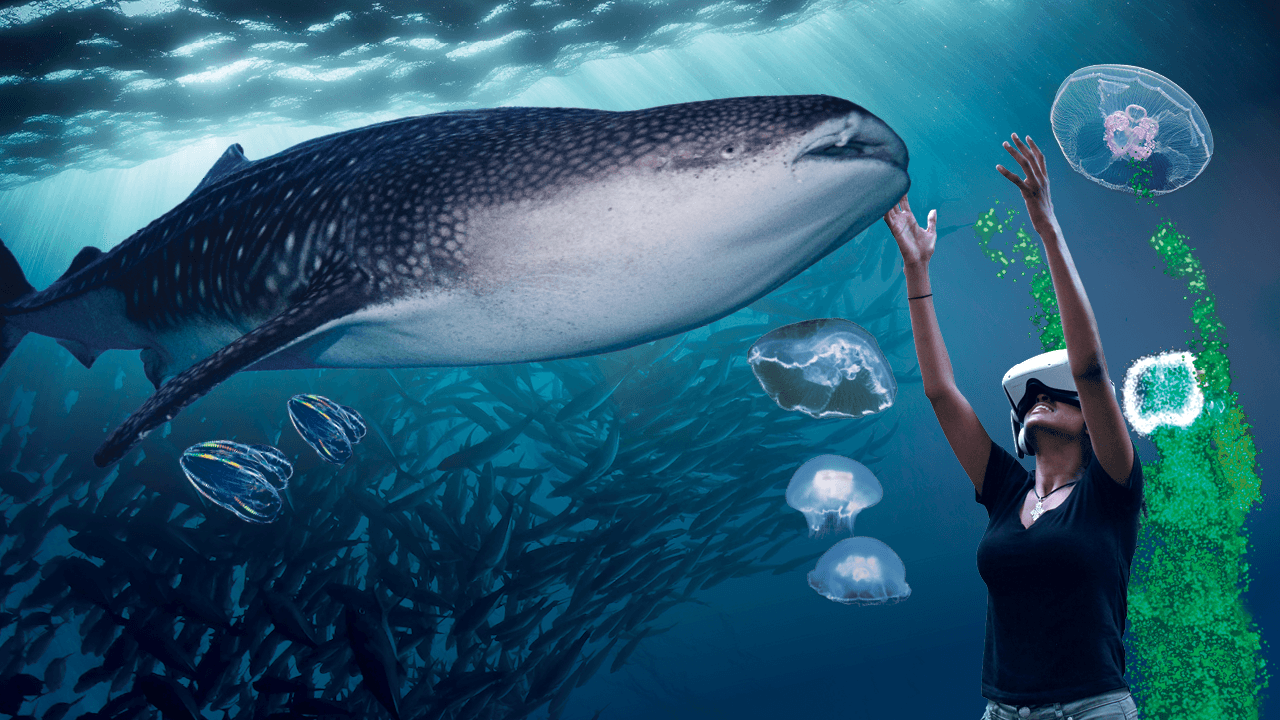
{"x": 1039, "y": 508}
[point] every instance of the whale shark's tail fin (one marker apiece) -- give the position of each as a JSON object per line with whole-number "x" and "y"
{"x": 13, "y": 285}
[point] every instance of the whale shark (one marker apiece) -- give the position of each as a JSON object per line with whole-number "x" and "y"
{"x": 471, "y": 237}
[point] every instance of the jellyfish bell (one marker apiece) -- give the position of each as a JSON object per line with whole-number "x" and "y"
{"x": 831, "y": 490}
{"x": 275, "y": 467}
{"x": 861, "y": 571}
{"x": 824, "y": 368}
{"x": 1109, "y": 118}
{"x": 234, "y": 477}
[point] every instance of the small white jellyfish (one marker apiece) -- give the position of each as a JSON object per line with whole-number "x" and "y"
{"x": 831, "y": 490}
{"x": 1162, "y": 390}
{"x": 824, "y": 368}
{"x": 861, "y": 571}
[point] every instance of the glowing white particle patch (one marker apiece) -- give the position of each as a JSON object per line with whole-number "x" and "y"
{"x": 1162, "y": 390}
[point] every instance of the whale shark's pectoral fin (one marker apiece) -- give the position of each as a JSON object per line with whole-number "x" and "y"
{"x": 82, "y": 352}
{"x": 329, "y": 297}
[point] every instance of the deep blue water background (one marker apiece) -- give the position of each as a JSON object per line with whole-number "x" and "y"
{"x": 953, "y": 79}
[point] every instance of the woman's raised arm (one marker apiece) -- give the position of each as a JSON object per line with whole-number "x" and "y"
{"x": 1107, "y": 430}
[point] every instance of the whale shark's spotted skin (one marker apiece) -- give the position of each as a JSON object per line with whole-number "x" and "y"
{"x": 473, "y": 237}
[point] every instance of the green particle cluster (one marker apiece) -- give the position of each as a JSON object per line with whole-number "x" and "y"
{"x": 1026, "y": 249}
{"x": 1194, "y": 651}
{"x": 1140, "y": 181}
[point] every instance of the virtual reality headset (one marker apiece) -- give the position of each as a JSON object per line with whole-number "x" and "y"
{"x": 1048, "y": 373}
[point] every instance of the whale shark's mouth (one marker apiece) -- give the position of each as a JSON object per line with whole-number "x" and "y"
{"x": 857, "y": 137}
{"x": 851, "y": 148}
{"x": 835, "y": 148}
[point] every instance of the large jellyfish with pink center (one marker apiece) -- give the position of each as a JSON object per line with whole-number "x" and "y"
{"x": 1116, "y": 121}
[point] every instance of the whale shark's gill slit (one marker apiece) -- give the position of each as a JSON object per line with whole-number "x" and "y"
{"x": 329, "y": 295}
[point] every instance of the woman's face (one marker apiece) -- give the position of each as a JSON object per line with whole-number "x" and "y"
{"x": 1054, "y": 416}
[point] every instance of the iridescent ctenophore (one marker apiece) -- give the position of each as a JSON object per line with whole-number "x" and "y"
{"x": 245, "y": 479}
{"x": 328, "y": 427}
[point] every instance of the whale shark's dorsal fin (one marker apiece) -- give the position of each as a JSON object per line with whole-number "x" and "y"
{"x": 231, "y": 161}
{"x": 87, "y": 255}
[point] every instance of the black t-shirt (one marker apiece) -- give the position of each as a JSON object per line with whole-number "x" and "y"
{"x": 1056, "y": 591}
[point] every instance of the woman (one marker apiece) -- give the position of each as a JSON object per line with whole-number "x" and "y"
{"x": 1059, "y": 544}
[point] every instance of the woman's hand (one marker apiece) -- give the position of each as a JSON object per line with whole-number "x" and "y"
{"x": 915, "y": 243}
{"x": 1035, "y": 189}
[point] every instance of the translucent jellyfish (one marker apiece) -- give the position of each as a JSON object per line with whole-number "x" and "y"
{"x": 328, "y": 427}
{"x": 831, "y": 490}
{"x": 824, "y": 368}
{"x": 1130, "y": 129}
{"x": 276, "y": 467}
{"x": 244, "y": 479}
{"x": 861, "y": 571}
{"x": 1162, "y": 390}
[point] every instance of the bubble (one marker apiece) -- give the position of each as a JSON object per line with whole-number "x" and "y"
{"x": 824, "y": 368}
{"x": 1130, "y": 129}
{"x": 241, "y": 478}
{"x": 331, "y": 429}
{"x": 1162, "y": 390}
{"x": 831, "y": 490}
{"x": 861, "y": 571}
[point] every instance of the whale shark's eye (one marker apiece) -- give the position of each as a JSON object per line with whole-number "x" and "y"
{"x": 728, "y": 152}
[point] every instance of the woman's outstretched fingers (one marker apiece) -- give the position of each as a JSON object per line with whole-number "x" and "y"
{"x": 1012, "y": 178}
{"x": 1021, "y": 155}
{"x": 1021, "y": 147}
{"x": 1040, "y": 163}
